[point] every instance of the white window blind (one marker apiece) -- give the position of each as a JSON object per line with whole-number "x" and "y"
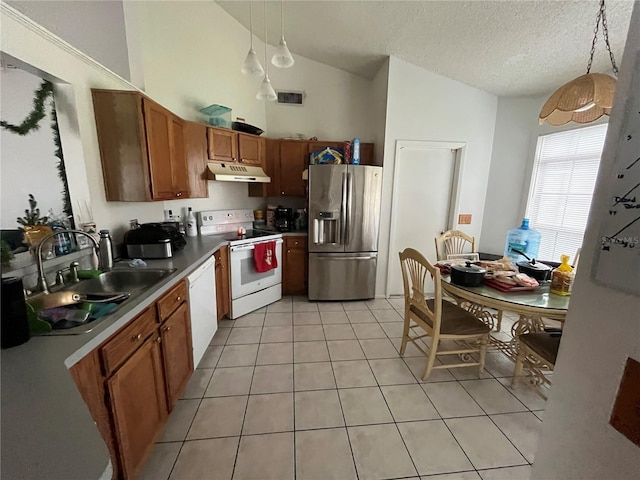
{"x": 564, "y": 176}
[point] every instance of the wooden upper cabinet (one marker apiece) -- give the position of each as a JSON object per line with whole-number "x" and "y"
{"x": 251, "y": 149}
{"x": 271, "y": 167}
{"x": 222, "y": 144}
{"x": 142, "y": 148}
{"x": 293, "y": 161}
{"x": 196, "y": 152}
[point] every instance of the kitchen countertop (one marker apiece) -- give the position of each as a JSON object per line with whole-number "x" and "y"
{"x": 47, "y": 430}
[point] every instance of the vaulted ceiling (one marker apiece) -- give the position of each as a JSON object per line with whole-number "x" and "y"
{"x": 508, "y": 48}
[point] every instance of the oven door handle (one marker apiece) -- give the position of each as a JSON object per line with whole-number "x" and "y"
{"x": 251, "y": 246}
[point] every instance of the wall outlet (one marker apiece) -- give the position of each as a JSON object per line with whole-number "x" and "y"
{"x": 464, "y": 219}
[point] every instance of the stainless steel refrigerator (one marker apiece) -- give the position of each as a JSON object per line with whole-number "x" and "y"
{"x": 344, "y": 219}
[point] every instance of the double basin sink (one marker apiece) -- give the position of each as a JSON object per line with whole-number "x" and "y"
{"x": 99, "y": 296}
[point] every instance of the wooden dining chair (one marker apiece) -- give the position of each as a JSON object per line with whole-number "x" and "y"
{"x": 439, "y": 319}
{"x": 452, "y": 242}
{"x": 537, "y": 351}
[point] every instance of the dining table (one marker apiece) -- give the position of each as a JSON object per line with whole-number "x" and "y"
{"x": 534, "y": 308}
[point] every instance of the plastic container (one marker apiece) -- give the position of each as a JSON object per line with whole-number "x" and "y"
{"x": 562, "y": 277}
{"x": 191, "y": 226}
{"x": 355, "y": 154}
{"x": 219, "y": 115}
{"x": 522, "y": 239}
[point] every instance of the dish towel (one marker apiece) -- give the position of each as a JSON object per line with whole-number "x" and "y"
{"x": 264, "y": 256}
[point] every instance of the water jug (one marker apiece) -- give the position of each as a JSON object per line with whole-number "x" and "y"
{"x": 522, "y": 239}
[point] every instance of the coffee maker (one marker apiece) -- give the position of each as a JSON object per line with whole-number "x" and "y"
{"x": 283, "y": 219}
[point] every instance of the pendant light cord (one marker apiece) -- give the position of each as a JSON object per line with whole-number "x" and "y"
{"x": 251, "y": 25}
{"x": 266, "y": 62}
{"x": 602, "y": 17}
{"x": 282, "y": 17}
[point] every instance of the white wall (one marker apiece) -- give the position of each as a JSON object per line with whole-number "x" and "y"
{"x": 94, "y": 27}
{"x": 74, "y": 76}
{"x": 336, "y": 105}
{"x": 378, "y": 106}
{"x": 602, "y": 329}
{"x": 514, "y": 148}
{"x": 422, "y": 105}
{"x": 27, "y": 163}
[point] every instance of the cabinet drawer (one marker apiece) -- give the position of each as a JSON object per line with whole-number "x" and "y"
{"x": 296, "y": 243}
{"x": 124, "y": 343}
{"x": 172, "y": 300}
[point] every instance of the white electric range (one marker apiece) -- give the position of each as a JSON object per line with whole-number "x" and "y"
{"x": 249, "y": 289}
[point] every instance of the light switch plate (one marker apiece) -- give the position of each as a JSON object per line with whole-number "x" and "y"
{"x": 625, "y": 416}
{"x": 464, "y": 219}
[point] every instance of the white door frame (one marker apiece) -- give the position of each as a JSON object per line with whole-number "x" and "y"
{"x": 460, "y": 149}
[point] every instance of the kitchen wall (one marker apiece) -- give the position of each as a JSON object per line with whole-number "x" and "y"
{"x": 25, "y": 157}
{"x": 96, "y": 28}
{"x": 602, "y": 329}
{"x": 336, "y": 105}
{"x": 74, "y": 74}
{"x": 378, "y": 102}
{"x": 422, "y": 105}
{"x": 514, "y": 149}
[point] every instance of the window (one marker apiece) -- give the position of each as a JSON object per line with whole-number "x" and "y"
{"x": 564, "y": 176}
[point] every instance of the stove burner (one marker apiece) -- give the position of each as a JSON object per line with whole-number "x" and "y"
{"x": 249, "y": 235}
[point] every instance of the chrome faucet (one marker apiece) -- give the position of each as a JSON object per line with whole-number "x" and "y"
{"x": 42, "y": 285}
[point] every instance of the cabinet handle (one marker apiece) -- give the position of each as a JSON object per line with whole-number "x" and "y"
{"x": 241, "y": 160}
{"x": 233, "y": 158}
{"x": 178, "y": 299}
{"x": 159, "y": 339}
{"x": 288, "y": 251}
{"x": 282, "y": 193}
{"x": 136, "y": 337}
{"x": 179, "y": 194}
{"x": 166, "y": 329}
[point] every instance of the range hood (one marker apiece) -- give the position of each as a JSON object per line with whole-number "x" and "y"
{"x": 230, "y": 172}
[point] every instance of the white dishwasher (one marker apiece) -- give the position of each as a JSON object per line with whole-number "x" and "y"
{"x": 202, "y": 303}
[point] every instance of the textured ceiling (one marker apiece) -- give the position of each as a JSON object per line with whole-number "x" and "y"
{"x": 504, "y": 47}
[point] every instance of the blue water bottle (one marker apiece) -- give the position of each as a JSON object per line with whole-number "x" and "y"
{"x": 523, "y": 239}
{"x": 355, "y": 155}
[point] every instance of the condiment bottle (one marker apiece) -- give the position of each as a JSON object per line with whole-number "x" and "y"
{"x": 562, "y": 277}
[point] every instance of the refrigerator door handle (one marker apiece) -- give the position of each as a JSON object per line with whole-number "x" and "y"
{"x": 344, "y": 209}
{"x": 349, "y": 206}
{"x": 325, "y": 258}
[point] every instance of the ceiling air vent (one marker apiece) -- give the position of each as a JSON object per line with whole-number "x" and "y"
{"x": 290, "y": 98}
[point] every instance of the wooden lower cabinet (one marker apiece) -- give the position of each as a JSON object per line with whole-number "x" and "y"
{"x": 132, "y": 380}
{"x": 139, "y": 405}
{"x": 294, "y": 268}
{"x": 223, "y": 299}
{"x": 177, "y": 353}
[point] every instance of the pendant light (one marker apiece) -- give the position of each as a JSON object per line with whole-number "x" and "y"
{"x": 282, "y": 58}
{"x": 266, "y": 91}
{"x": 251, "y": 64}
{"x": 588, "y": 97}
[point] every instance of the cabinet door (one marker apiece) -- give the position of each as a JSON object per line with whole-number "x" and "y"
{"x": 196, "y": 151}
{"x": 222, "y": 145}
{"x": 272, "y": 168}
{"x": 139, "y": 405}
{"x": 293, "y": 161}
{"x": 222, "y": 282}
{"x": 177, "y": 354}
{"x": 158, "y": 129}
{"x": 179, "y": 171}
{"x": 295, "y": 273}
{"x": 251, "y": 149}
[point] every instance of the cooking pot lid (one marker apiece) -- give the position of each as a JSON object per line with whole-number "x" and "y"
{"x": 534, "y": 266}
{"x": 468, "y": 268}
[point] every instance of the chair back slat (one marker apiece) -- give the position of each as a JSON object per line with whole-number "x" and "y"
{"x": 452, "y": 242}
{"x": 415, "y": 268}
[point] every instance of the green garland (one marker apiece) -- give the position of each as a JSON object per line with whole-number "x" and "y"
{"x": 32, "y": 122}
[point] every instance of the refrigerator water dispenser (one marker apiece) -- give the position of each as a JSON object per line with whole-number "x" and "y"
{"x": 327, "y": 228}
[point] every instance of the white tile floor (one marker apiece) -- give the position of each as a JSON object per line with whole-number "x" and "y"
{"x": 318, "y": 391}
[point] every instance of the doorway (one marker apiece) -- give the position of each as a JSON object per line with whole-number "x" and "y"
{"x": 424, "y": 202}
